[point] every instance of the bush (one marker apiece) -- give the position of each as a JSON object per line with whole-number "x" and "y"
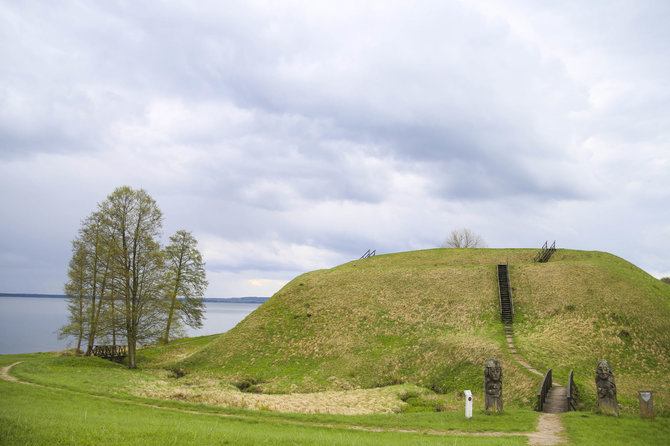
{"x": 248, "y": 385}
{"x": 176, "y": 372}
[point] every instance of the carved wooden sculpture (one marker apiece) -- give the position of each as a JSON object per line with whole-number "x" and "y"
{"x": 607, "y": 400}
{"x": 493, "y": 385}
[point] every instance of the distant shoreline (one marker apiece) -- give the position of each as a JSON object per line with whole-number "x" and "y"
{"x": 230, "y": 300}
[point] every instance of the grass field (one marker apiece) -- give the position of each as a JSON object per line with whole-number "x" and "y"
{"x": 39, "y": 416}
{"x": 67, "y": 409}
{"x": 376, "y": 351}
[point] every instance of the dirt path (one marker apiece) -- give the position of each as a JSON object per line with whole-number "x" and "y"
{"x": 548, "y": 429}
{"x": 4, "y": 372}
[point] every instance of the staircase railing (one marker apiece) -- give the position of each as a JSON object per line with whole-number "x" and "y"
{"x": 368, "y": 253}
{"x": 509, "y": 291}
{"x": 544, "y": 390}
{"x": 545, "y": 252}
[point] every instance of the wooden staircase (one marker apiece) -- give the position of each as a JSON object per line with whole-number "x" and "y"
{"x": 545, "y": 252}
{"x": 506, "y": 306}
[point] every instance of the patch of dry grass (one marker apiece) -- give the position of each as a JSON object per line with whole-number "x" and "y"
{"x": 207, "y": 391}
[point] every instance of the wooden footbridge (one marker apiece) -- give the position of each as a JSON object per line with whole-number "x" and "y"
{"x": 556, "y": 399}
{"x": 111, "y": 352}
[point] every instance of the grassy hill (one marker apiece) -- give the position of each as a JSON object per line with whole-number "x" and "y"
{"x": 428, "y": 319}
{"x": 431, "y": 318}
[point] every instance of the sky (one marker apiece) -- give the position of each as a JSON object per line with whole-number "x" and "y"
{"x": 290, "y": 136}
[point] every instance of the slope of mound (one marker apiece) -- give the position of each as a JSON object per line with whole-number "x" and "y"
{"x": 426, "y": 317}
{"x": 431, "y": 318}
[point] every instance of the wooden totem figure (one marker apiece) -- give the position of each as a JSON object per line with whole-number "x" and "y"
{"x": 493, "y": 385}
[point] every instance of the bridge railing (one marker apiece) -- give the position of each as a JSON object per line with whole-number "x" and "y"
{"x": 572, "y": 393}
{"x": 110, "y": 351}
{"x": 544, "y": 390}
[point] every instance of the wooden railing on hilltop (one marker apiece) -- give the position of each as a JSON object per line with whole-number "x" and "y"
{"x": 545, "y": 252}
{"x": 368, "y": 253}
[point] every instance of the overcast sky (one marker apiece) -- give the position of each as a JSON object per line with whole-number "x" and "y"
{"x": 293, "y": 136}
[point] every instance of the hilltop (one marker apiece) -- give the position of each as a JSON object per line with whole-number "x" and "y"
{"x": 431, "y": 318}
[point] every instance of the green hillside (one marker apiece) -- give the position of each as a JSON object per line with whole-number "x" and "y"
{"x": 431, "y": 318}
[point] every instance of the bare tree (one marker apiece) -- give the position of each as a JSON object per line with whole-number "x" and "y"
{"x": 464, "y": 238}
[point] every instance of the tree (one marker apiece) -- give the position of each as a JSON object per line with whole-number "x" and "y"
{"x": 136, "y": 221}
{"x": 464, "y": 238}
{"x": 666, "y": 280}
{"x": 75, "y": 290}
{"x": 95, "y": 238}
{"x": 118, "y": 282}
{"x": 186, "y": 283}
{"x": 88, "y": 283}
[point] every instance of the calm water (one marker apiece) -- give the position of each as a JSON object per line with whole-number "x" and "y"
{"x": 29, "y": 324}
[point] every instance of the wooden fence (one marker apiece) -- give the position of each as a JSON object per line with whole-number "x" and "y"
{"x": 113, "y": 352}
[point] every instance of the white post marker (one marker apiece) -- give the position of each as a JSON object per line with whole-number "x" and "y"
{"x": 468, "y": 404}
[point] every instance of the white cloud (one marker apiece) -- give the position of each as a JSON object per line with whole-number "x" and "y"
{"x": 267, "y": 254}
{"x": 241, "y": 284}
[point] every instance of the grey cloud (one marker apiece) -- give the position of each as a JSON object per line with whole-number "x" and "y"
{"x": 337, "y": 127}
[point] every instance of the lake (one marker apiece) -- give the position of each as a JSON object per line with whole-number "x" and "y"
{"x": 29, "y": 324}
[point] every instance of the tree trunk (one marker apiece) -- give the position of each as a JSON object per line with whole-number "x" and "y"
{"x": 95, "y": 315}
{"x": 132, "y": 343}
{"x": 81, "y": 324}
{"x": 174, "y": 295}
{"x": 169, "y": 320}
{"x": 113, "y": 322}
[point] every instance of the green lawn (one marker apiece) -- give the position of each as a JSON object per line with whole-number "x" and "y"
{"x": 76, "y": 404}
{"x": 592, "y": 429}
{"x": 32, "y": 415}
{"x": 93, "y": 376}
